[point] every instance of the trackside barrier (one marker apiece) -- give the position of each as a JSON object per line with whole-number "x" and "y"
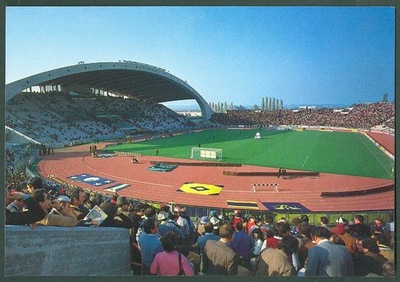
{"x": 128, "y": 154}
{"x": 270, "y": 173}
{"x": 262, "y": 185}
{"x": 359, "y": 192}
{"x": 196, "y": 164}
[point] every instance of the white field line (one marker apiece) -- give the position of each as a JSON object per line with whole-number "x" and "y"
{"x": 305, "y": 161}
{"x": 369, "y": 149}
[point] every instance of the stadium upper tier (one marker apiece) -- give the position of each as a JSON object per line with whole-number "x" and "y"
{"x": 124, "y": 78}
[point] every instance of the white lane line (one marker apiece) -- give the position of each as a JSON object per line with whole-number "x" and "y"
{"x": 305, "y": 161}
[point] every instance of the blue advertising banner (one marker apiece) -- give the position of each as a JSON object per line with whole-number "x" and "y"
{"x": 91, "y": 179}
{"x": 296, "y": 207}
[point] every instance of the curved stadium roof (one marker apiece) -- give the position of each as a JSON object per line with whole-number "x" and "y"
{"x": 132, "y": 79}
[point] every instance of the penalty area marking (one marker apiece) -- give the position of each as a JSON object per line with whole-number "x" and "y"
{"x": 305, "y": 161}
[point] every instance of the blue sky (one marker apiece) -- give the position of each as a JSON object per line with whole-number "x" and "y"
{"x": 302, "y": 55}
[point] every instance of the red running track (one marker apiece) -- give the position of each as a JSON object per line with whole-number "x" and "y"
{"x": 162, "y": 186}
{"x": 385, "y": 140}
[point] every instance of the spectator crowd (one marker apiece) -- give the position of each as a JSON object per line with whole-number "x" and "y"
{"x": 59, "y": 119}
{"x": 168, "y": 241}
{"x": 361, "y": 116}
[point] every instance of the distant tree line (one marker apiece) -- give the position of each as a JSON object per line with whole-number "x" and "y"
{"x": 271, "y": 103}
{"x": 267, "y": 103}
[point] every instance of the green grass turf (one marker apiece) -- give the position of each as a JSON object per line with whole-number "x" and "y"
{"x": 331, "y": 152}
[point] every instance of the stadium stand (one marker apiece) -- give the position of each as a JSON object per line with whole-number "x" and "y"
{"x": 58, "y": 119}
{"x": 361, "y": 116}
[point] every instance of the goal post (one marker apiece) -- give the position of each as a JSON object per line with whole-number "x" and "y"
{"x": 198, "y": 153}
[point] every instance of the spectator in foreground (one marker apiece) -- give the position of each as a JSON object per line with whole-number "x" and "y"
{"x": 63, "y": 218}
{"x": 368, "y": 260}
{"x": 201, "y": 242}
{"x": 360, "y": 229}
{"x": 115, "y": 217}
{"x": 170, "y": 261}
{"x": 33, "y": 184}
{"x": 123, "y": 205}
{"x": 16, "y": 206}
{"x": 327, "y": 258}
{"x": 241, "y": 245}
{"x": 32, "y": 215}
{"x": 149, "y": 244}
{"x": 276, "y": 262}
{"x": 163, "y": 227}
{"x": 77, "y": 198}
{"x": 222, "y": 260}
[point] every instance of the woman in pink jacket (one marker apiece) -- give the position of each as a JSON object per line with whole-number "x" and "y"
{"x": 170, "y": 262}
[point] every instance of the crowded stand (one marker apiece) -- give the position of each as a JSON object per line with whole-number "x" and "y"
{"x": 166, "y": 240}
{"x": 59, "y": 119}
{"x": 360, "y": 116}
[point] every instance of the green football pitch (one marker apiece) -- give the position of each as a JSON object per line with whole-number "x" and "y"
{"x": 322, "y": 151}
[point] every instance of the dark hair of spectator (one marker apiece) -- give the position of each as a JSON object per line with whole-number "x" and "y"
{"x": 257, "y": 220}
{"x": 370, "y": 244}
{"x": 139, "y": 207}
{"x": 324, "y": 220}
{"x": 269, "y": 220}
{"x": 239, "y": 226}
{"x": 288, "y": 245}
{"x": 304, "y": 218}
{"x": 380, "y": 238}
{"x": 208, "y": 227}
{"x": 258, "y": 232}
{"x": 359, "y": 217}
{"x": 304, "y": 229}
{"x": 74, "y": 194}
{"x": 150, "y": 212}
{"x": 35, "y": 182}
{"x": 282, "y": 228}
{"x": 269, "y": 233}
{"x": 149, "y": 224}
{"x": 321, "y": 232}
{"x": 38, "y": 195}
{"x": 110, "y": 209}
{"x": 170, "y": 241}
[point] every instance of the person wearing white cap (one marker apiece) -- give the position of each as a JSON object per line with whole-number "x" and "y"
{"x": 216, "y": 223}
{"x": 200, "y": 225}
{"x": 62, "y": 217}
{"x": 165, "y": 225}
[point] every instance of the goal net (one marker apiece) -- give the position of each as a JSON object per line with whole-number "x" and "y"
{"x": 206, "y": 154}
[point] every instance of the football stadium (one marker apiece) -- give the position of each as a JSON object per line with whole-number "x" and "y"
{"x": 86, "y": 126}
